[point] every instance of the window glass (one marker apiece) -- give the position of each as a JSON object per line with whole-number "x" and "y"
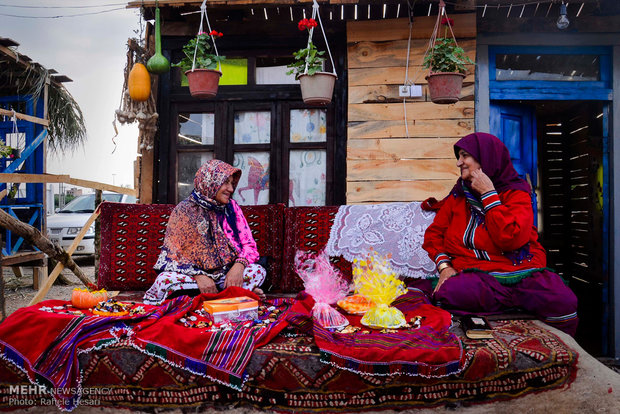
{"x": 187, "y": 165}
{"x": 234, "y": 72}
{"x": 308, "y": 125}
{"x": 307, "y": 178}
{"x": 253, "y": 187}
{"x": 252, "y": 127}
{"x": 196, "y": 129}
{"x": 272, "y": 70}
{"x": 539, "y": 67}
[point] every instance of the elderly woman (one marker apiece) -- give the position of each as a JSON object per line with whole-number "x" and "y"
{"x": 208, "y": 244}
{"x": 485, "y": 245}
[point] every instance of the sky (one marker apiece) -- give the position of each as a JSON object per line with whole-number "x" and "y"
{"x": 91, "y": 50}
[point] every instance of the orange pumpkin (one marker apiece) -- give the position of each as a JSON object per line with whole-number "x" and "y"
{"x": 84, "y": 298}
{"x": 139, "y": 83}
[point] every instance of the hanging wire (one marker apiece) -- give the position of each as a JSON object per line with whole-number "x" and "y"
{"x": 203, "y": 13}
{"x": 62, "y": 16}
{"x": 63, "y": 7}
{"x": 317, "y": 15}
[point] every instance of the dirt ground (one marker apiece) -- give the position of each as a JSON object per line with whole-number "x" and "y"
{"x": 595, "y": 390}
{"x": 19, "y": 292}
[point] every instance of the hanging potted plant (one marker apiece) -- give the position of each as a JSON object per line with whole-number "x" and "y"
{"x": 317, "y": 87}
{"x": 446, "y": 61}
{"x": 201, "y": 66}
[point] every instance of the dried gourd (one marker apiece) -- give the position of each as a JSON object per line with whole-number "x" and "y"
{"x": 139, "y": 83}
{"x": 158, "y": 63}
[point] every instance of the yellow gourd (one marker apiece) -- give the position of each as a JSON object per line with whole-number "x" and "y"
{"x": 139, "y": 83}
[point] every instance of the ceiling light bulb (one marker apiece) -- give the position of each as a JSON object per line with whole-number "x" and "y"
{"x": 562, "y": 22}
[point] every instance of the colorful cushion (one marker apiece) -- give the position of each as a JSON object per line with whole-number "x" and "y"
{"x": 132, "y": 236}
{"x": 307, "y": 229}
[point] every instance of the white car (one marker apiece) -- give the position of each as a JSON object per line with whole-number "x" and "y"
{"x": 63, "y": 226}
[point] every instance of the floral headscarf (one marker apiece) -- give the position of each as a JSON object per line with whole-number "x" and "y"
{"x": 195, "y": 239}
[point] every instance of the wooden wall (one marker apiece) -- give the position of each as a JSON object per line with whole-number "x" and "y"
{"x": 383, "y": 164}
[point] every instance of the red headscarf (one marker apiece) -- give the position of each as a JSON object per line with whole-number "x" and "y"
{"x": 494, "y": 160}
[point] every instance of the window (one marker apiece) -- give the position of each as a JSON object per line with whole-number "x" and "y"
{"x": 550, "y": 72}
{"x": 282, "y": 148}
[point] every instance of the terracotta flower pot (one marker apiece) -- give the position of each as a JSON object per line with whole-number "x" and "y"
{"x": 445, "y": 87}
{"x": 317, "y": 89}
{"x": 203, "y": 83}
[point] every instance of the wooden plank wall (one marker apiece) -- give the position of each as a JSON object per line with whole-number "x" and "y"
{"x": 383, "y": 164}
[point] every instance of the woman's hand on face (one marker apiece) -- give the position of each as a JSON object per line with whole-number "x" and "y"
{"x": 444, "y": 275}
{"x": 234, "y": 277}
{"x": 205, "y": 284}
{"x": 481, "y": 182}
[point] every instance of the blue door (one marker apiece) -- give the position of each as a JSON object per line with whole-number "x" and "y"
{"x": 515, "y": 125}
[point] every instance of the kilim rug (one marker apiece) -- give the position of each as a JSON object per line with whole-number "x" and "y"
{"x": 62, "y": 333}
{"x": 287, "y": 375}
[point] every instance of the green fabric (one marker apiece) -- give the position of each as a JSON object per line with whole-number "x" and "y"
{"x": 508, "y": 280}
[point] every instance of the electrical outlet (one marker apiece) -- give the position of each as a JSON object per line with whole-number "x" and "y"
{"x": 404, "y": 90}
{"x": 416, "y": 91}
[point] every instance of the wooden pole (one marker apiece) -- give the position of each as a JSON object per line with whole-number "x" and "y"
{"x": 34, "y": 236}
{"x": 98, "y": 199}
{"x": 69, "y": 263}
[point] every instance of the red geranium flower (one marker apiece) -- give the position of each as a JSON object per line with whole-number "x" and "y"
{"x": 306, "y": 24}
{"x": 215, "y": 33}
{"x": 447, "y": 21}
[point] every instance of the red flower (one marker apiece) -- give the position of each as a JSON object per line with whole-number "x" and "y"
{"x": 215, "y": 33}
{"x": 306, "y": 24}
{"x": 446, "y": 21}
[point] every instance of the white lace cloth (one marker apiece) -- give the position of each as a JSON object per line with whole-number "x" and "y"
{"x": 389, "y": 228}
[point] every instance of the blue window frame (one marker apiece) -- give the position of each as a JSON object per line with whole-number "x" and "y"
{"x": 591, "y": 89}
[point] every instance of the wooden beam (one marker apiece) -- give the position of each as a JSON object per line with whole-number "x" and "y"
{"x": 105, "y": 187}
{"x": 22, "y": 258}
{"x": 20, "y": 60}
{"x": 32, "y": 178}
{"x": 52, "y": 178}
{"x": 25, "y": 117}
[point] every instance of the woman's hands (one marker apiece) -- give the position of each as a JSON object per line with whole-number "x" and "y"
{"x": 445, "y": 274}
{"x": 205, "y": 284}
{"x": 481, "y": 182}
{"x": 234, "y": 277}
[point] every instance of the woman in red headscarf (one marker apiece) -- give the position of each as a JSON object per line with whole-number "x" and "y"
{"x": 485, "y": 245}
{"x": 208, "y": 244}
